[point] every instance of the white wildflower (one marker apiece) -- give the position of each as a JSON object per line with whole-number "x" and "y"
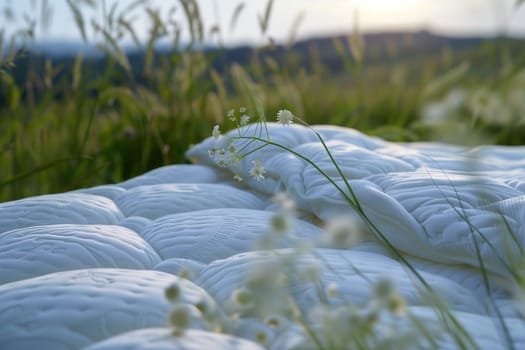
{"x": 203, "y": 307}
{"x": 274, "y": 321}
{"x": 342, "y": 232}
{"x": 180, "y": 317}
{"x": 225, "y": 157}
{"x": 231, "y": 148}
{"x": 231, "y": 115}
{"x": 245, "y": 119}
{"x": 186, "y": 272}
{"x": 212, "y": 151}
{"x": 310, "y": 272}
{"x": 216, "y": 133}
{"x": 332, "y": 290}
{"x": 284, "y": 201}
{"x": 281, "y": 222}
{"x": 285, "y": 117}
{"x": 383, "y": 289}
{"x": 386, "y": 295}
{"x": 221, "y": 162}
{"x": 257, "y": 171}
{"x": 242, "y": 110}
{"x": 237, "y": 178}
{"x": 243, "y": 297}
{"x": 261, "y": 337}
{"x": 397, "y": 305}
{"x": 173, "y": 292}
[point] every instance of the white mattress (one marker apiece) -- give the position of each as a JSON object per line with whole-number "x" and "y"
{"x": 89, "y": 268}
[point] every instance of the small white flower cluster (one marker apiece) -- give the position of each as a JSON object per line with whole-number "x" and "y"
{"x": 184, "y": 315}
{"x": 243, "y": 120}
{"x": 229, "y": 156}
{"x": 380, "y": 322}
{"x": 266, "y": 305}
{"x": 225, "y": 157}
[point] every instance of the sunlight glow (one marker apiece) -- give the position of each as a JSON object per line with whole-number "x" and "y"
{"x": 320, "y": 17}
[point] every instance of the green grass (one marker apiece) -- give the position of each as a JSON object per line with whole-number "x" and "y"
{"x": 69, "y": 127}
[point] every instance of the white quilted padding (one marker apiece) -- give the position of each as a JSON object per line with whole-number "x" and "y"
{"x": 180, "y": 173}
{"x": 109, "y": 191}
{"x": 155, "y": 201}
{"x": 208, "y": 235}
{"x": 352, "y": 271}
{"x": 64, "y": 208}
{"x": 163, "y": 339}
{"x": 446, "y": 204}
{"x": 89, "y": 268}
{"x": 34, "y": 251}
{"x": 72, "y": 309}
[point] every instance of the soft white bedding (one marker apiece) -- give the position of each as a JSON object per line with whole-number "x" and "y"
{"x": 89, "y": 268}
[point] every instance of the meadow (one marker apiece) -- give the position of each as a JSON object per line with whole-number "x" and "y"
{"x": 78, "y": 122}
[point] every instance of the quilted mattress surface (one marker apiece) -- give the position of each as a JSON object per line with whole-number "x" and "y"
{"x": 89, "y": 268}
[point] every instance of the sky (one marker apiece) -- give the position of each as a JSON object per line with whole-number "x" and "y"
{"x": 318, "y": 17}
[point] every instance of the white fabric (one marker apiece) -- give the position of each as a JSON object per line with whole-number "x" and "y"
{"x": 354, "y": 272}
{"x": 64, "y": 208}
{"x": 429, "y": 200}
{"x": 154, "y": 201}
{"x": 89, "y": 267}
{"x": 209, "y": 235}
{"x": 163, "y": 339}
{"x": 72, "y": 309}
{"x": 67, "y": 247}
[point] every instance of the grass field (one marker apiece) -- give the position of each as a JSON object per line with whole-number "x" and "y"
{"x": 83, "y": 122}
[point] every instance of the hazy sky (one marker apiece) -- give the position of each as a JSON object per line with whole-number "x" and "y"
{"x": 453, "y": 17}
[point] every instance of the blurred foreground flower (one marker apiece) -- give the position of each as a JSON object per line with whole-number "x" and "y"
{"x": 341, "y": 232}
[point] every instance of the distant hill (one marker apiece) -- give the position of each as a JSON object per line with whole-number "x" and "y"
{"x": 380, "y": 48}
{"x": 376, "y": 44}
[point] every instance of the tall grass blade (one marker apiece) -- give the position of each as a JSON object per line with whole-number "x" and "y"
{"x": 265, "y": 19}
{"x": 444, "y": 81}
{"x": 110, "y": 17}
{"x": 219, "y": 85}
{"x": 77, "y": 72}
{"x": 2, "y": 33}
{"x": 235, "y": 15}
{"x": 124, "y": 23}
{"x": 11, "y": 51}
{"x": 46, "y": 14}
{"x": 342, "y": 52}
{"x": 113, "y": 48}
{"x": 356, "y": 41}
{"x": 157, "y": 31}
{"x": 134, "y": 5}
{"x": 294, "y": 29}
{"x": 193, "y": 17}
{"x": 39, "y": 169}
{"x": 79, "y": 19}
